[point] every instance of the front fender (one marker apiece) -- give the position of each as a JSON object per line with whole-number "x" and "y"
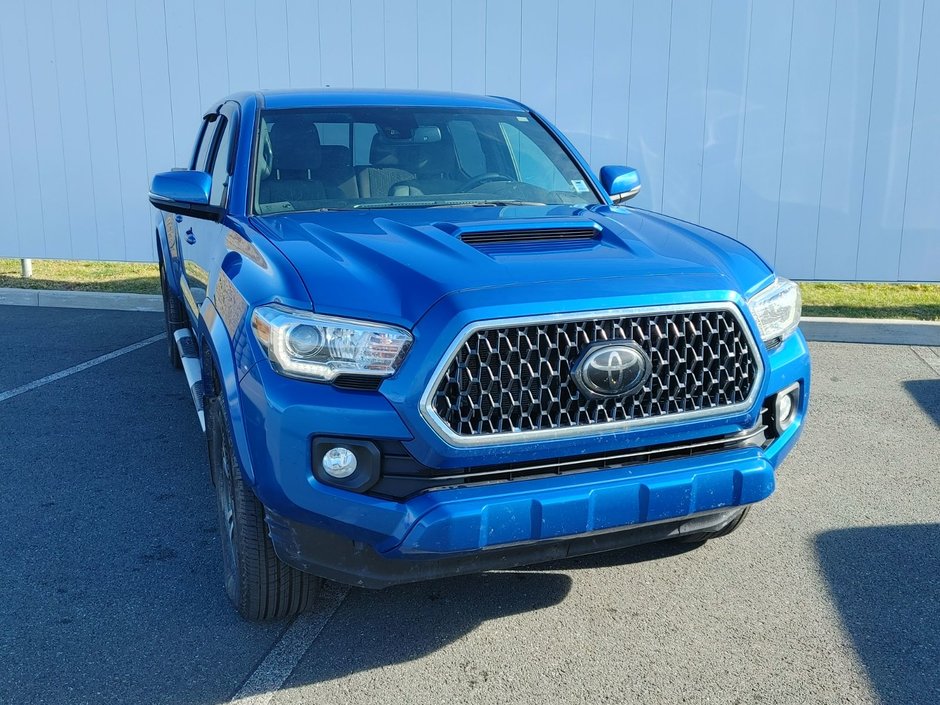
{"x": 251, "y": 271}
{"x": 217, "y": 344}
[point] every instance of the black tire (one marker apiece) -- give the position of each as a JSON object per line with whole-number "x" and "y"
{"x": 174, "y": 318}
{"x": 703, "y": 536}
{"x": 259, "y": 584}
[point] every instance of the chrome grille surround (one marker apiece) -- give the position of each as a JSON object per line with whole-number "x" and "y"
{"x": 592, "y": 416}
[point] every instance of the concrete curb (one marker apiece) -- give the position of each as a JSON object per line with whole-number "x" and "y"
{"x": 80, "y": 299}
{"x": 820, "y": 329}
{"x": 874, "y": 331}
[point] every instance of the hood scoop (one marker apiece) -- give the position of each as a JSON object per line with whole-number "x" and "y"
{"x": 497, "y": 233}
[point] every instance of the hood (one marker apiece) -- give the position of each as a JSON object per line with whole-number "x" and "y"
{"x": 392, "y": 265}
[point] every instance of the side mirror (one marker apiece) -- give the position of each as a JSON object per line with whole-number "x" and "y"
{"x": 184, "y": 192}
{"x": 621, "y": 182}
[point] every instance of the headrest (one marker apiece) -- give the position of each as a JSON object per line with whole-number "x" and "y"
{"x": 295, "y": 142}
{"x": 421, "y": 158}
{"x": 436, "y": 158}
{"x": 389, "y": 153}
{"x": 335, "y": 155}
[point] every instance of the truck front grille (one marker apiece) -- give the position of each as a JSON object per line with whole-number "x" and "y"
{"x": 516, "y": 377}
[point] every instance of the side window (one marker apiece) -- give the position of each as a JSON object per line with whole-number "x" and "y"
{"x": 363, "y": 132}
{"x": 220, "y": 163}
{"x": 333, "y": 133}
{"x": 470, "y": 155}
{"x": 532, "y": 164}
{"x": 205, "y": 144}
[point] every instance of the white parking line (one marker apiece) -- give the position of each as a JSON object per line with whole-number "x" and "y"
{"x": 262, "y": 685}
{"x": 929, "y": 355}
{"x": 42, "y": 381}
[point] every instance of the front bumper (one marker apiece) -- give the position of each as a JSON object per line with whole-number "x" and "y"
{"x": 371, "y": 541}
{"x": 338, "y": 558}
{"x": 477, "y": 528}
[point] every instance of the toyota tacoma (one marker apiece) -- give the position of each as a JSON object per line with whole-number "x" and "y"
{"x": 424, "y": 339}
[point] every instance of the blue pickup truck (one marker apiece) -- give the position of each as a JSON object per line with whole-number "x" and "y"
{"x": 425, "y": 339}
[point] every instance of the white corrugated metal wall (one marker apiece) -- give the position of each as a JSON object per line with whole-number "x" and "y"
{"x": 809, "y": 129}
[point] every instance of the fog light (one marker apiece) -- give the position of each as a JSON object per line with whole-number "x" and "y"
{"x": 349, "y": 463}
{"x": 339, "y": 462}
{"x": 785, "y": 405}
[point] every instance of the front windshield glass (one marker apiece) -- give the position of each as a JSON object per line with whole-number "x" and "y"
{"x": 392, "y": 157}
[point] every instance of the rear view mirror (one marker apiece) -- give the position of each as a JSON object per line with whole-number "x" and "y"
{"x": 422, "y": 134}
{"x": 184, "y": 192}
{"x": 621, "y": 182}
{"x": 426, "y": 134}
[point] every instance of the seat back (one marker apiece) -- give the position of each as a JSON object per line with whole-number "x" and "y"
{"x": 337, "y": 171}
{"x": 389, "y": 163}
{"x": 295, "y": 162}
{"x": 436, "y": 170}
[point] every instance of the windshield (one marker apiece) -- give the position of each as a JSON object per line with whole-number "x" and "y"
{"x": 392, "y": 157}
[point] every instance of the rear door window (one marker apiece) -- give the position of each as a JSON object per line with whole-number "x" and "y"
{"x": 363, "y": 132}
{"x": 333, "y": 133}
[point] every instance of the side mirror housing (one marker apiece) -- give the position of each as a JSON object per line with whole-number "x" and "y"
{"x": 621, "y": 182}
{"x": 184, "y": 192}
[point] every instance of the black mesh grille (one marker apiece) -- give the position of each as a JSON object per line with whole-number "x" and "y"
{"x": 518, "y": 378}
{"x": 487, "y": 237}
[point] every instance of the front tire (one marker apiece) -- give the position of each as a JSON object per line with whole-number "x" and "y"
{"x": 259, "y": 584}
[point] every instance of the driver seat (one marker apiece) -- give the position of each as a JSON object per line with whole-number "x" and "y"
{"x": 435, "y": 167}
{"x": 388, "y": 164}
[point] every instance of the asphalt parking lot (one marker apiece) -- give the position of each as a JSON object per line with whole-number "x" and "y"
{"x": 110, "y": 587}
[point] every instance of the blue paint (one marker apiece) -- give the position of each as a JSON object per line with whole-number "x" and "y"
{"x": 408, "y": 267}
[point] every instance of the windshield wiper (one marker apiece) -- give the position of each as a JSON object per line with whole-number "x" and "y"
{"x": 444, "y": 204}
{"x": 504, "y": 203}
{"x": 394, "y": 204}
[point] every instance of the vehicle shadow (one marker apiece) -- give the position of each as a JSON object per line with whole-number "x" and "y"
{"x": 884, "y": 581}
{"x": 926, "y": 392}
{"x": 374, "y": 629}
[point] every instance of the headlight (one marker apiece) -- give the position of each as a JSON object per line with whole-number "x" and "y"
{"x": 777, "y": 309}
{"x": 307, "y": 346}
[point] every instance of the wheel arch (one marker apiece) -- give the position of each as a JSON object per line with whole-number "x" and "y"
{"x": 220, "y": 378}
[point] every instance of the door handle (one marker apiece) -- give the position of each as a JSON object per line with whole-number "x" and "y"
{"x": 190, "y": 238}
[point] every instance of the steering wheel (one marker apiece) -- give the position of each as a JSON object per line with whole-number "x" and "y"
{"x": 483, "y": 179}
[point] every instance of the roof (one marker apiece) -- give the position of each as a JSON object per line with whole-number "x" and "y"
{"x": 327, "y": 97}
